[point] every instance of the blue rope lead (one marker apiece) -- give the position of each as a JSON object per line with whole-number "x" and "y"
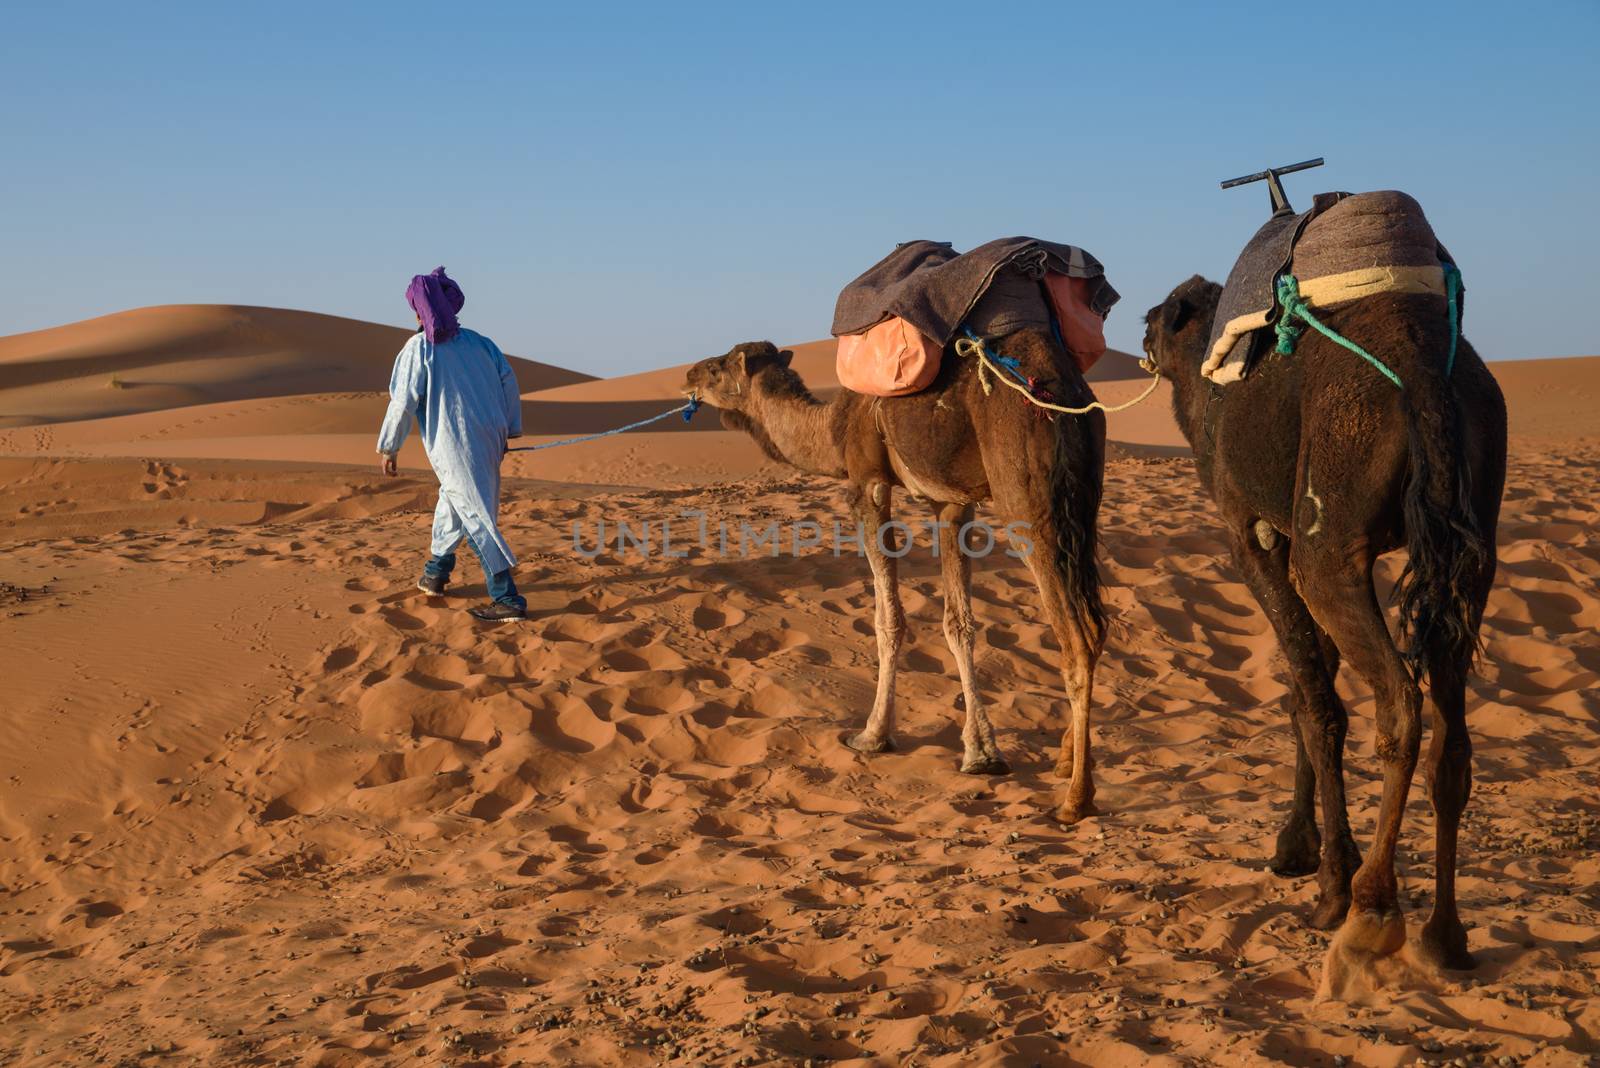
{"x": 1010, "y": 363}
{"x": 688, "y": 411}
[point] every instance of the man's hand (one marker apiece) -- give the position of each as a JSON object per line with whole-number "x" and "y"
{"x": 391, "y": 464}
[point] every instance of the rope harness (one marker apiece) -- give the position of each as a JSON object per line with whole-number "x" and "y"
{"x": 1294, "y": 306}
{"x": 993, "y": 365}
{"x": 688, "y": 411}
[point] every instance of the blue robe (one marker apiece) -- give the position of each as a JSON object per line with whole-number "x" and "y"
{"x": 464, "y": 397}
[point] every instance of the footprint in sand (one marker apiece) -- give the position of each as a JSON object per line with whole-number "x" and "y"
{"x": 441, "y": 672}
{"x": 401, "y": 619}
{"x": 580, "y": 630}
{"x": 648, "y": 658}
{"x": 504, "y": 796}
{"x": 572, "y": 726}
{"x": 433, "y": 757}
{"x": 658, "y": 700}
{"x": 715, "y": 613}
{"x": 764, "y": 643}
{"x": 339, "y": 659}
{"x": 94, "y": 913}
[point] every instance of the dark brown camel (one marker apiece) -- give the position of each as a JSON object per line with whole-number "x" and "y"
{"x": 1318, "y": 465}
{"x": 955, "y": 446}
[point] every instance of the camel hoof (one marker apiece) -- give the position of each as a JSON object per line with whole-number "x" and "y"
{"x": 1070, "y": 813}
{"x": 1298, "y": 852}
{"x": 1445, "y": 948}
{"x": 1361, "y": 956}
{"x": 1329, "y": 912}
{"x": 863, "y": 744}
{"x": 1292, "y": 866}
{"x": 985, "y": 765}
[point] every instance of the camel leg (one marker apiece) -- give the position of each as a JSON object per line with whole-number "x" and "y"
{"x": 1337, "y": 586}
{"x": 889, "y": 619}
{"x": 981, "y": 755}
{"x": 1299, "y": 842}
{"x": 1028, "y": 493}
{"x": 1444, "y": 939}
{"x": 1079, "y": 653}
{"x": 1319, "y": 721}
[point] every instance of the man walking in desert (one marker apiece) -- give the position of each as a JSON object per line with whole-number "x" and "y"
{"x": 461, "y": 390}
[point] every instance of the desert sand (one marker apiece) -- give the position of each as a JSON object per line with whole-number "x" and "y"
{"x": 263, "y": 802}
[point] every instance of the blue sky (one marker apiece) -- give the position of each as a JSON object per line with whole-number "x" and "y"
{"x": 622, "y": 187}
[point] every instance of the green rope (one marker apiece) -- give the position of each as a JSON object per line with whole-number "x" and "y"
{"x": 1289, "y": 333}
{"x": 1452, "y": 288}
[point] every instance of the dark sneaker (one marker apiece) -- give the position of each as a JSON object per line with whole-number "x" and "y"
{"x": 496, "y": 612}
{"x": 433, "y": 584}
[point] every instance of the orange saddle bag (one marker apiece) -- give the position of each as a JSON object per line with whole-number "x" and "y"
{"x": 1082, "y": 330}
{"x": 890, "y": 359}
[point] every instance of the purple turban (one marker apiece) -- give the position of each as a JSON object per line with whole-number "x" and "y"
{"x": 436, "y": 300}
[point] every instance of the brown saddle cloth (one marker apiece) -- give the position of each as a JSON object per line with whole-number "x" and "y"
{"x": 995, "y": 288}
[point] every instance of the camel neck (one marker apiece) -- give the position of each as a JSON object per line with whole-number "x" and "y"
{"x": 798, "y": 427}
{"x": 1189, "y": 392}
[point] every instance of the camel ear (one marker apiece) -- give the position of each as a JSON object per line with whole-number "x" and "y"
{"x": 741, "y": 360}
{"x": 785, "y": 357}
{"x": 1174, "y": 313}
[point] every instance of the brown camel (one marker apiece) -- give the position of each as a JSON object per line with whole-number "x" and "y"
{"x": 1318, "y": 465}
{"x": 955, "y": 446}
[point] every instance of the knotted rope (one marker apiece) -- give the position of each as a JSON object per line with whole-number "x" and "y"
{"x": 992, "y": 363}
{"x": 1295, "y": 306}
{"x": 1289, "y": 333}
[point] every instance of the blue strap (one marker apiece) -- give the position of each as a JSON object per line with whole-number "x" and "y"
{"x": 1452, "y": 288}
{"x": 1010, "y": 363}
{"x": 688, "y": 411}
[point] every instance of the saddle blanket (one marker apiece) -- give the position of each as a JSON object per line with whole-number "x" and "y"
{"x": 1345, "y": 247}
{"x": 993, "y": 290}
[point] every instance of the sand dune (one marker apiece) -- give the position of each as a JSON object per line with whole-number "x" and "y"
{"x": 151, "y": 359}
{"x": 1549, "y": 400}
{"x": 263, "y": 802}
{"x": 266, "y": 416}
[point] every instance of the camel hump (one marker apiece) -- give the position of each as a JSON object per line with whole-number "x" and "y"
{"x": 1386, "y": 228}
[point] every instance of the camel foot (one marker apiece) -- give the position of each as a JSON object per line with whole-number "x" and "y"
{"x": 1064, "y": 763}
{"x": 985, "y": 764}
{"x": 1329, "y": 911}
{"x": 1299, "y": 850}
{"x": 1443, "y": 944}
{"x": 865, "y": 743}
{"x": 1071, "y": 812}
{"x": 1364, "y": 955}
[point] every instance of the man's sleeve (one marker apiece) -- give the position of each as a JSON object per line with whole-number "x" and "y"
{"x": 513, "y": 396}
{"x": 407, "y": 385}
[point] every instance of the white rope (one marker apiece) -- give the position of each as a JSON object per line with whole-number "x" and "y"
{"x": 968, "y": 347}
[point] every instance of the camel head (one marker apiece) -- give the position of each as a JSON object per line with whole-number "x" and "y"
{"x": 1176, "y": 330}
{"x": 726, "y": 381}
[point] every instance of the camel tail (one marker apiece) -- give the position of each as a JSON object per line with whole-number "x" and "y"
{"x": 1437, "y": 621}
{"x": 1075, "y": 484}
